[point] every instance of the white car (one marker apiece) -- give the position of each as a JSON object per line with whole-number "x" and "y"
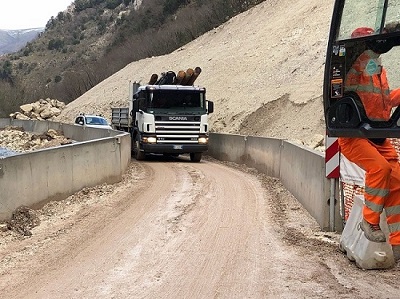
{"x": 92, "y": 121}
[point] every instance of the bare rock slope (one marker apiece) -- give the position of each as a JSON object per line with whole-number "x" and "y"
{"x": 263, "y": 69}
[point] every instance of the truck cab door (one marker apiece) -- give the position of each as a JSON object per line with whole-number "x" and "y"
{"x": 344, "y": 108}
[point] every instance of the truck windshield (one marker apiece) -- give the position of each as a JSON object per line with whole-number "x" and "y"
{"x": 93, "y": 120}
{"x": 177, "y": 100}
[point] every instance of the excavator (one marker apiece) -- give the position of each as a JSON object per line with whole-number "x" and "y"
{"x": 345, "y": 114}
{"x": 363, "y": 51}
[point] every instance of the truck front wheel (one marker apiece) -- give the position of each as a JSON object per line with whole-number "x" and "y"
{"x": 139, "y": 155}
{"x": 195, "y": 157}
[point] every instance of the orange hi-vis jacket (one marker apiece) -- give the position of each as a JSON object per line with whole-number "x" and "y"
{"x": 368, "y": 78}
{"x": 380, "y": 161}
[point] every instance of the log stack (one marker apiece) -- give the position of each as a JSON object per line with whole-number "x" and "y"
{"x": 185, "y": 78}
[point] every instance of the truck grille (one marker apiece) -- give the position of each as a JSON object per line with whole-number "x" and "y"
{"x": 177, "y": 131}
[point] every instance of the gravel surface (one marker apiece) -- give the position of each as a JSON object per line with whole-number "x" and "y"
{"x": 176, "y": 229}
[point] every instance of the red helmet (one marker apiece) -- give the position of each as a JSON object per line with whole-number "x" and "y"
{"x": 362, "y": 31}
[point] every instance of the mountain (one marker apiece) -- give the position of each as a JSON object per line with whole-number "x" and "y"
{"x": 14, "y": 40}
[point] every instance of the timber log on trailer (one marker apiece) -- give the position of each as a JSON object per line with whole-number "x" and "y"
{"x": 167, "y": 116}
{"x": 345, "y": 114}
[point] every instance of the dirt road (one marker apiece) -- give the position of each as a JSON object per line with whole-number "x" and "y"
{"x": 176, "y": 229}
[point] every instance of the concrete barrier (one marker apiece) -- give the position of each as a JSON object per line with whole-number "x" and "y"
{"x": 32, "y": 179}
{"x": 301, "y": 170}
{"x": 227, "y": 147}
{"x": 74, "y": 132}
{"x": 264, "y": 154}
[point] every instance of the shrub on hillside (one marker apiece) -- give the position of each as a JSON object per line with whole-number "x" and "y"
{"x": 55, "y": 44}
{"x": 112, "y": 4}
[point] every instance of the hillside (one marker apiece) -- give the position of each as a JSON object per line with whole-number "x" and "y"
{"x": 92, "y": 40}
{"x": 262, "y": 68}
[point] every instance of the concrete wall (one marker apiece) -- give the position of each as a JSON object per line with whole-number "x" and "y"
{"x": 301, "y": 170}
{"x": 32, "y": 179}
{"x": 264, "y": 154}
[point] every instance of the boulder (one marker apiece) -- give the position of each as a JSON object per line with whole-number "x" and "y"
{"x": 21, "y": 116}
{"x": 53, "y": 133}
{"x": 27, "y": 108}
{"x": 56, "y": 111}
{"x": 36, "y": 107}
{"x": 46, "y": 113}
{"x": 58, "y": 104}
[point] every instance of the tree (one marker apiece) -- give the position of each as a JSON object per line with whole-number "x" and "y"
{"x": 111, "y": 4}
{"x": 55, "y": 44}
{"x": 171, "y": 6}
{"x": 6, "y": 71}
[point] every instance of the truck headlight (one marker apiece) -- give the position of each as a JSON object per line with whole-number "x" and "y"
{"x": 203, "y": 140}
{"x": 149, "y": 139}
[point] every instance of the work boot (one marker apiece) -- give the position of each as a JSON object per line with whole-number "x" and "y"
{"x": 372, "y": 232}
{"x": 396, "y": 252}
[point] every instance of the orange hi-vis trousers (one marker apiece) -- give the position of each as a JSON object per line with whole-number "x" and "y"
{"x": 382, "y": 180}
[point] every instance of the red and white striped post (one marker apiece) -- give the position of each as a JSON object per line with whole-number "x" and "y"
{"x": 332, "y": 156}
{"x": 332, "y": 171}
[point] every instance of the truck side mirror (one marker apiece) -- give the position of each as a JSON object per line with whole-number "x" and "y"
{"x": 210, "y": 108}
{"x": 136, "y": 105}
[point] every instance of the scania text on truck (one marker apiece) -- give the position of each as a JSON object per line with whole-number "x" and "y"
{"x": 167, "y": 116}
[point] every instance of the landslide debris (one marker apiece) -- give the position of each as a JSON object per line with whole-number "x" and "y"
{"x": 18, "y": 140}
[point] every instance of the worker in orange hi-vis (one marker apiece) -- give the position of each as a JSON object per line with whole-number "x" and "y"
{"x": 376, "y": 156}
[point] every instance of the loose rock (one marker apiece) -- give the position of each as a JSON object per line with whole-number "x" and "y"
{"x": 42, "y": 109}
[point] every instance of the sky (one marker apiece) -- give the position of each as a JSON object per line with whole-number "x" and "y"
{"x": 24, "y": 14}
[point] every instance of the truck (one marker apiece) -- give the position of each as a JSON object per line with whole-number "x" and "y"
{"x": 168, "y": 116}
{"x": 92, "y": 121}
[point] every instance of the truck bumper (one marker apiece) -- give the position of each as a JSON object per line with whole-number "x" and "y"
{"x": 174, "y": 148}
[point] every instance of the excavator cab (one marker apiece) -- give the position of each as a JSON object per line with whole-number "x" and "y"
{"x": 345, "y": 112}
